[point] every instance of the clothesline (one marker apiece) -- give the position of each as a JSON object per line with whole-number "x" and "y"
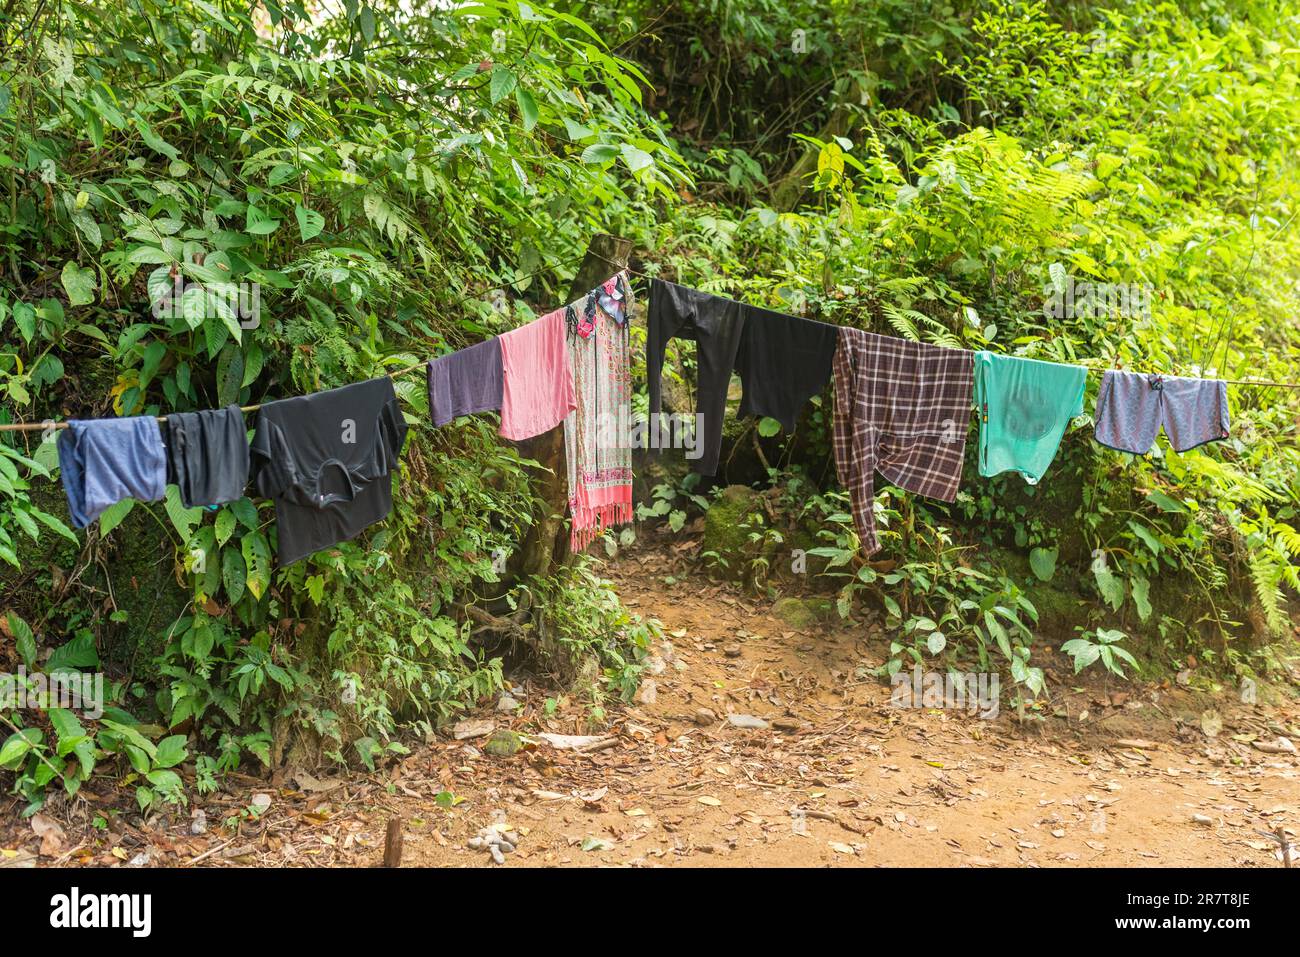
{"x": 1259, "y": 383}
{"x": 1093, "y": 368}
{"x": 50, "y": 424}
{"x": 898, "y": 405}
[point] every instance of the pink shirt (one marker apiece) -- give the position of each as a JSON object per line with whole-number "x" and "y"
{"x": 537, "y": 378}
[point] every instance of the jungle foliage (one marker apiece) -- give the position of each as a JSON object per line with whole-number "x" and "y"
{"x": 399, "y": 182}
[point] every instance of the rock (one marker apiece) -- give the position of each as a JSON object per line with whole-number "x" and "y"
{"x": 503, "y": 744}
{"x": 496, "y": 854}
{"x": 199, "y": 822}
{"x": 261, "y": 802}
{"x": 464, "y": 730}
{"x": 786, "y": 724}
{"x": 507, "y": 703}
{"x": 51, "y": 834}
{"x": 732, "y": 651}
{"x": 746, "y": 721}
{"x": 704, "y": 717}
{"x": 1280, "y": 746}
{"x": 648, "y": 693}
{"x": 803, "y": 613}
{"x": 655, "y": 665}
{"x": 724, "y": 527}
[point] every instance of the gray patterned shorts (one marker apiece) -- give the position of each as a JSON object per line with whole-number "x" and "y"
{"x": 1131, "y": 408}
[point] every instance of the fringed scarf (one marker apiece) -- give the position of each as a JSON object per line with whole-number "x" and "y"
{"x": 596, "y": 436}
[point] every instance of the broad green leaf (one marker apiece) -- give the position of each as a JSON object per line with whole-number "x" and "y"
{"x": 171, "y": 752}
{"x": 112, "y": 516}
{"x": 527, "y": 108}
{"x": 1043, "y": 563}
{"x": 183, "y": 519}
{"x": 78, "y": 283}
{"x": 24, "y": 639}
{"x": 233, "y": 574}
{"x": 598, "y": 153}
{"x": 25, "y": 320}
{"x": 1109, "y": 584}
{"x": 1141, "y": 588}
{"x": 66, "y": 728}
{"x": 224, "y": 525}
{"x": 502, "y": 83}
{"x": 310, "y": 222}
{"x": 74, "y": 654}
{"x": 1164, "y": 502}
{"x": 257, "y": 559}
{"x": 246, "y": 512}
{"x": 258, "y": 223}
{"x": 635, "y": 158}
{"x": 16, "y": 747}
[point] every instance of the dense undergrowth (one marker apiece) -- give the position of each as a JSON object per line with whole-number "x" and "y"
{"x": 398, "y": 184}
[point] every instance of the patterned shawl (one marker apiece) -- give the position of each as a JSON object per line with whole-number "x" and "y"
{"x": 596, "y": 437}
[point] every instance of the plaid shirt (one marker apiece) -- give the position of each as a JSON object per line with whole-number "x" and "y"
{"x": 902, "y": 409}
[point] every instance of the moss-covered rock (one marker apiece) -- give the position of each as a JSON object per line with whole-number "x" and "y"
{"x": 804, "y": 613}
{"x": 725, "y": 531}
{"x": 503, "y": 743}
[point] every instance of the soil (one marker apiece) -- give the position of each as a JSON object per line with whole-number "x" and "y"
{"x": 1105, "y": 773}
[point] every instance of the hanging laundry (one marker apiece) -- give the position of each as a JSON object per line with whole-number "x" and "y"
{"x": 1024, "y": 407}
{"x": 207, "y": 455}
{"x": 901, "y": 409}
{"x": 716, "y": 326}
{"x": 537, "y": 377}
{"x": 1132, "y": 407}
{"x": 597, "y": 445}
{"x": 326, "y": 460}
{"x": 783, "y": 361}
{"x": 465, "y": 382}
{"x": 105, "y": 461}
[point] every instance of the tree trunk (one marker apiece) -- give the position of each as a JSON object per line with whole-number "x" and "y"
{"x": 546, "y": 545}
{"x": 790, "y": 188}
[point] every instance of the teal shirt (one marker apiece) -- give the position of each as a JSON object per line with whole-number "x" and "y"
{"x": 1024, "y": 406}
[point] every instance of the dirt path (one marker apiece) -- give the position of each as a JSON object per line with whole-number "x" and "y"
{"x": 837, "y": 778}
{"x": 841, "y": 778}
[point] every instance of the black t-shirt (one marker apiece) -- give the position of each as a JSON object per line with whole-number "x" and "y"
{"x": 325, "y": 459}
